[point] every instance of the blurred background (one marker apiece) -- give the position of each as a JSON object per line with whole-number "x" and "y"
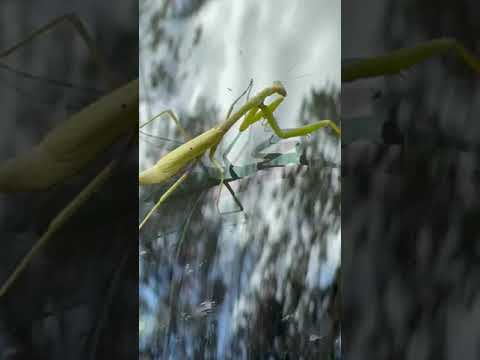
{"x": 410, "y": 199}
{"x": 77, "y": 299}
{"x": 259, "y": 283}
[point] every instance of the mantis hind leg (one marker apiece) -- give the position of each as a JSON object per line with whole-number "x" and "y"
{"x": 222, "y": 182}
{"x": 81, "y": 30}
{"x": 58, "y": 222}
{"x": 164, "y": 197}
{"x": 402, "y": 59}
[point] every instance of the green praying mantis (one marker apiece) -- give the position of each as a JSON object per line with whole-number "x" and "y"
{"x": 70, "y": 147}
{"x": 187, "y": 154}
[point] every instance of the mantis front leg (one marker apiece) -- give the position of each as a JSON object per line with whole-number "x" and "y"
{"x": 262, "y": 111}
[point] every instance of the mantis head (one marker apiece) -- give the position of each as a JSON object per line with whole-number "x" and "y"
{"x": 279, "y": 88}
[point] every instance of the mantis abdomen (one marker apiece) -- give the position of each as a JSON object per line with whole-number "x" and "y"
{"x": 182, "y": 156}
{"x": 69, "y": 147}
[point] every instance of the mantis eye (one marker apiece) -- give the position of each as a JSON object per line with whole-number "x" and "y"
{"x": 280, "y": 88}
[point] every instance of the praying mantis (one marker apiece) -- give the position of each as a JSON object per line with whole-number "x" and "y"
{"x": 188, "y": 153}
{"x": 71, "y": 146}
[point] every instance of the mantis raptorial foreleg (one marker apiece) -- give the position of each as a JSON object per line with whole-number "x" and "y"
{"x": 262, "y": 111}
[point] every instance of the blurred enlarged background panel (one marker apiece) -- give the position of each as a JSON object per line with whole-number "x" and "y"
{"x": 77, "y": 299}
{"x": 411, "y": 204}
